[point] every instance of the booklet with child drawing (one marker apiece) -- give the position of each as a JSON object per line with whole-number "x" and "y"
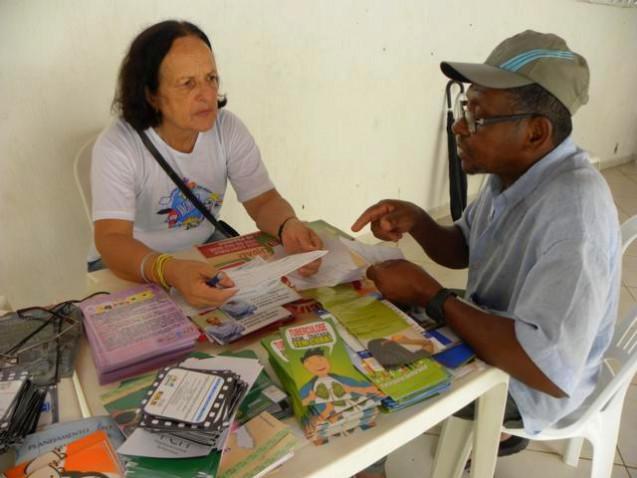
{"x": 328, "y": 395}
{"x": 321, "y": 368}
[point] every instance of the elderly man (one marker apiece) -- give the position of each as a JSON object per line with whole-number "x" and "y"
{"x": 541, "y": 241}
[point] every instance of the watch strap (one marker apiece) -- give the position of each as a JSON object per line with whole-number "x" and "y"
{"x": 434, "y": 306}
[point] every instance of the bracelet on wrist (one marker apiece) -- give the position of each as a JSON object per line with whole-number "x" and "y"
{"x": 434, "y": 307}
{"x": 158, "y": 270}
{"x": 142, "y": 266}
{"x": 280, "y": 233}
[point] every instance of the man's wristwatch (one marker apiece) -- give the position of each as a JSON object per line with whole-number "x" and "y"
{"x": 434, "y": 306}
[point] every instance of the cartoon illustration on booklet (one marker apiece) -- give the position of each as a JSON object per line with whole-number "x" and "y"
{"x": 326, "y": 387}
{"x": 328, "y": 396}
{"x": 91, "y": 456}
{"x": 322, "y": 370}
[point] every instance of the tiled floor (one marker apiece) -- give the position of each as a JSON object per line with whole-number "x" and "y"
{"x": 541, "y": 458}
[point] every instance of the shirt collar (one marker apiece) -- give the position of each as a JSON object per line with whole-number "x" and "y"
{"x": 526, "y": 183}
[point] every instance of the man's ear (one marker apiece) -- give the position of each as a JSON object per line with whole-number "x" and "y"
{"x": 540, "y": 133}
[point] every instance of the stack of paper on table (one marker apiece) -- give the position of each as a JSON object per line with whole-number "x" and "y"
{"x": 258, "y": 302}
{"x": 450, "y": 350}
{"x": 256, "y": 262}
{"x": 135, "y": 330}
{"x": 247, "y": 311}
{"x": 91, "y": 455}
{"x": 256, "y": 448}
{"x": 123, "y": 405}
{"x": 264, "y": 396}
{"x": 329, "y": 396}
{"x": 390, "y": 348}
{"x": 186, "y": 390}
{"x": 196, "y": 405}
{"x": 404, "y": 385}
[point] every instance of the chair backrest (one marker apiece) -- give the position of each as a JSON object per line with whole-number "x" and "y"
{"x": 619, "y": 366}
{"x": 629, "y": 232}
{"x": 82, "y": 174}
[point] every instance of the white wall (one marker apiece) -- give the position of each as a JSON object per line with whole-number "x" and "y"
{"x": 344, "y": 98}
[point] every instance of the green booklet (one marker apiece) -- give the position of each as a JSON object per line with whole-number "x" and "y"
{"x": 264, "y": 396}
{"x": 273, "y": 344}
{"x": 320, "y": 420}
{"x": 143, "y": 467}
{"x": 321, "y": 369}
{"x": 400, "y": 382}
{"x": 392, "y": 348}
{"x": 123, "y": 402}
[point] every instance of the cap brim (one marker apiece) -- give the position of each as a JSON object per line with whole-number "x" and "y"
{"x": 483, "y": 75}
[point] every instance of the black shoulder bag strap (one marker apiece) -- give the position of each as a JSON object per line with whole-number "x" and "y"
{"x": 220, "y": 226}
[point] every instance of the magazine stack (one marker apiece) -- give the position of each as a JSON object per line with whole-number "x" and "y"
{"x": 329, "y": 396}
{"x": 136, "y": 330}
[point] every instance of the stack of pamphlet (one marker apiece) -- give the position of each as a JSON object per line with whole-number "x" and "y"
{"x": 404, "y": 384}
{"x": 20, "y": 407}
{"x": 91, "y": 455}
{"x": 264, "y": 396}
{"x": 123, "y": 405}
{"x": 386, "y": 345}
{"x": 136, "y": 330}
{"x": 197, "y": 405}
{"x": 329, "y": 396}
{"x": 177, "y": 422}
{"x": 449, "y": 349}
{"x": 254, "y": 449}
{"x": 259, "y": 300}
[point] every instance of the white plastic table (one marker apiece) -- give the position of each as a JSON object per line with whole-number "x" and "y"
{"x": 346, "y": 455}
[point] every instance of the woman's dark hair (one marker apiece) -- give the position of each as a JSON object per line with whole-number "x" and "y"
{"x": 139, "y": 72}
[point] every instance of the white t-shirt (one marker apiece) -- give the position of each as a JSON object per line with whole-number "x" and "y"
{"x": 128, "y": 184}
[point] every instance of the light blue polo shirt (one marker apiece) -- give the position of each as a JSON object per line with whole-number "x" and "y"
{"x": 546, "y": 252}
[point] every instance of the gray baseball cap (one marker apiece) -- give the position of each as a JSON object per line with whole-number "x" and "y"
{"x": 526, "y": 58}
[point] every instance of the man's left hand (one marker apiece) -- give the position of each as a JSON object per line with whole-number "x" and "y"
{"x": 297, "y": 237}
{"x": 403, "y": 282}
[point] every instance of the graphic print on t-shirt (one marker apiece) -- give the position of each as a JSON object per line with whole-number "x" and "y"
{"x": 180, "y": 212}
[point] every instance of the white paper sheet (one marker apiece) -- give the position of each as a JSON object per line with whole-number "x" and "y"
{"x": 256, "y": 276}
{"x": 164, "y": 445}
{"x": 247, "y": 368}
{"x": 373, "y": 253}
{"x": 161, "y": 445}
{"x": 337, "y": 267}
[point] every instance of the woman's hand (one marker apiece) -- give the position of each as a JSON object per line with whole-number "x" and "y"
{"x": 297, "y": 237}
{"x": 190, "y": 277}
